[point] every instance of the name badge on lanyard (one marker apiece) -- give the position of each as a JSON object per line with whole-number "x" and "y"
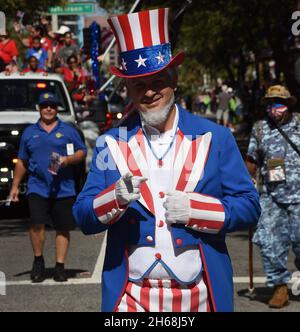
{"x": 276, "y": 170}
{"x": 70, "y": 149}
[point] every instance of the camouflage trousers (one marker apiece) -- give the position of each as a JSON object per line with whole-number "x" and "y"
{"x": 278, "y": 229}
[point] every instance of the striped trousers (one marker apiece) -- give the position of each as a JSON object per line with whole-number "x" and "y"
{"x": 152, "y": 295}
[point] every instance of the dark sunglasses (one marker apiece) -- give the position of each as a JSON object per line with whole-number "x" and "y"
{"x": 277, "y": 101}
{"x": 51, "y": 105}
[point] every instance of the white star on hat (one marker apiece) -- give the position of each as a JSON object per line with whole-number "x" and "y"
{"x": 124, "y": 64}
{"x": 160, "y": 58}
{"x": 141, "y": 61}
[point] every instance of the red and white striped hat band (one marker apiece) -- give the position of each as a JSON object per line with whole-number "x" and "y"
{"x": 143, "y": 32}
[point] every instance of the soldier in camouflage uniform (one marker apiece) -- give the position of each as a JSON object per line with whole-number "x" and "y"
{"x": 279, "y": 165}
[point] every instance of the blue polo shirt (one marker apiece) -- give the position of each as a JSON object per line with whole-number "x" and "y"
{"x": 36, "y": 147}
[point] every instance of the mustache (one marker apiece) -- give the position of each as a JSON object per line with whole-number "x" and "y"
{"x": 148, "y": 100}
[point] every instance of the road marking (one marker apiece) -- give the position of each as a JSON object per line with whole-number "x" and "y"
{"x": 97, "y": 274}
{"x": 92, "y": 281}
{"x": 50, "y": 282}
{"x": 95, "y": 279}
{"x": 245, "y": 280}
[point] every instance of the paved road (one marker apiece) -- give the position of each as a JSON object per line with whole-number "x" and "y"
{"x": 82, "y": 291}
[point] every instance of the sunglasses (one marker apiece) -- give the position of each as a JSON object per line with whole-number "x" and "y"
{"x": 277, "y": 101}
{"x": 51, "y": 105}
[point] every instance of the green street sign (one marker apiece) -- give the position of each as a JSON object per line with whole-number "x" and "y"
{"x": 73, "y": 9}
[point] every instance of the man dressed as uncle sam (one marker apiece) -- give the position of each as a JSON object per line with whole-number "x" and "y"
{"x": 166, "y": 185}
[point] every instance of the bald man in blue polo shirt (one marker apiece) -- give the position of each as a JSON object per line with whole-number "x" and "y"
{"x": 48, "y": 150}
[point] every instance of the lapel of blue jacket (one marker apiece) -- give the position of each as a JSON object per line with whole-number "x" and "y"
{"x": 128, "y": 151}
{"x": 192, "y": 147}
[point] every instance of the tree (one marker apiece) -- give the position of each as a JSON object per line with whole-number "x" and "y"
{"x": 219, "y": 36}
{"x": 30, "y": 7}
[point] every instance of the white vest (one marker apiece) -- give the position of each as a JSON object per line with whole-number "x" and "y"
{"x": 163, "y": 261}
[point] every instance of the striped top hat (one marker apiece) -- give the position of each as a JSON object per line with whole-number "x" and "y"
{"x": 143, "y": 40}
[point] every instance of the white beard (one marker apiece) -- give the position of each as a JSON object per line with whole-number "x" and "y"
{"x": 157, "y": 118}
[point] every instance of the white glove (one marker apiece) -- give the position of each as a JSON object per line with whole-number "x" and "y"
{"x": 177, "y": 207}
{"x": 128, "y": 188}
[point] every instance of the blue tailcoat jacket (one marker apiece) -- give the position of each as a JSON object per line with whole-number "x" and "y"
{"x": 224, "y": 177}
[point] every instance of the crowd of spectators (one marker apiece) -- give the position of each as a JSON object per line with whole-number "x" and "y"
{"x": 37, "y": 49}
{"x": 49, "y": 51}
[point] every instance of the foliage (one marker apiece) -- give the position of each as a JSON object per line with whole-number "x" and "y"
{"x": 218, "y": 35}
{"x": 30, "y": 7}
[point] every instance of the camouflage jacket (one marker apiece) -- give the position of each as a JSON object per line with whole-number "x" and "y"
{"x": 267, "y": 143}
